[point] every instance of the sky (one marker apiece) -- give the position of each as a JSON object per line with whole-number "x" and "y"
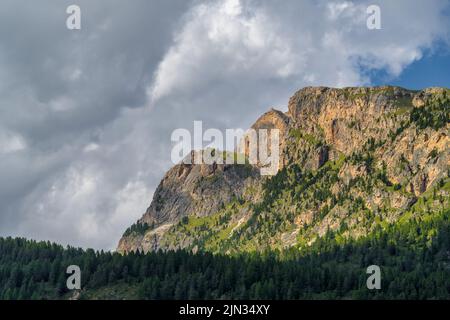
{"x": 431, "y": 71}
{"x": 86, "y": 115}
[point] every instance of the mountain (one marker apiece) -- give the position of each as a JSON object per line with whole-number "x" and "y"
{"x": 353, "y": 161}
{"x": 363, "y": 180}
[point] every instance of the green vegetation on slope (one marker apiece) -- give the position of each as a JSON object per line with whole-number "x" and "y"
{"x": 413, "y": 256}
{"x": 436, "y": 114}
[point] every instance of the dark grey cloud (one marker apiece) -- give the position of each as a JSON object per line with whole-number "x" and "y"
{"x": 86, "y": 116}
{"x": 60, "y": 88}
{"x": 88, "y": 74}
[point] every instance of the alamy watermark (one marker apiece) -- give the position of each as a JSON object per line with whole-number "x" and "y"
{"x": 373, "y": 21}
{"x": 374, "y": 280}
{"x": 73, "y": 21}
{"x": 74, "y": 280}
{"x": 259, "y": 147}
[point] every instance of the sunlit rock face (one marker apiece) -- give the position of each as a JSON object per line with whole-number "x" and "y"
{"x": 384, "y": 148}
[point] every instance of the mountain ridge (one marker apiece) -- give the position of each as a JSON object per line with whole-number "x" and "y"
{"x": 351, "y": 159}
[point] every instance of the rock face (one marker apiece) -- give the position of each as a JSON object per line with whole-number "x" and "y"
{"x": 350, "y": 159}
{"x": 269, "y": 121}
{"x": 187, "y": 190}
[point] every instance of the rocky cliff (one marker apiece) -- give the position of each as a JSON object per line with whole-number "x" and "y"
{"x": 352, "y": 160}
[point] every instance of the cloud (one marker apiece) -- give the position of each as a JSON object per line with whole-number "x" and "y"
{"x": 244, "y": 42}
{"x": 83, "y": 203}
{"x": 10, "y": 142}
{"x": 61, "y": 92}
{"x": 86, "y": 116}
{"x": 263, "y": 51}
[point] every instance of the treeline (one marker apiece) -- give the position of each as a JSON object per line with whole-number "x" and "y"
{"x": 436, "y": 114}
{"x": 138, "y": 227}
{"x": 413, "y": 256}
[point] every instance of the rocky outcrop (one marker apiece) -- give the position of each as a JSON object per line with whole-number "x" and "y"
{"x": 269, "y": 121}
{"x": 346, "y": 118}
{"x": 387, "y": 145}
{"x": 188, "y": 190}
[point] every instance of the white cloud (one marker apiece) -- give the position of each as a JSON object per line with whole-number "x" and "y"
{"x": 316, "y": 42}
{"x": 10, "y": 142}
{"x": 91, "y": 147}
{"x": 84, "y": 206}
{"x": 221, "y": 40}
{"x": 337, "y": 9}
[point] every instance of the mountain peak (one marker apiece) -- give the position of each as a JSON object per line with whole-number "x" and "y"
{"x": 351, "y": 159}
